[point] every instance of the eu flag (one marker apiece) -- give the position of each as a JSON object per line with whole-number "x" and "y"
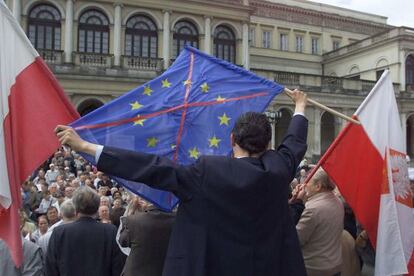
{"x": 186, "y": 112}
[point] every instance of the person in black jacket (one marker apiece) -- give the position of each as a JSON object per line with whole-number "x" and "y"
{"x": 84, "y": 247}
{"x": 234, "y": 217}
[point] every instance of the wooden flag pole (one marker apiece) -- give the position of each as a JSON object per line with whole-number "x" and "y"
{"x": 324, "y": 107}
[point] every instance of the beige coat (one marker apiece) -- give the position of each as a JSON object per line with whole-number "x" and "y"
{"x": 320, "y": 231}
{"x": 350, "y": 261}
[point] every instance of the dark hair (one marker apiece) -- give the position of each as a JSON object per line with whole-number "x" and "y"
{"x": 86, "y": 201}
{"x": 52, "y": 208}
{"x": 252, "y": 132}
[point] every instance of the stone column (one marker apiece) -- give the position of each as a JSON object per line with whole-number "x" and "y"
{"x": 207, "y": 35}
{"x": 17, "y": 9}
{"x": 117, "y": 34}
{"x": 403, "y": 117}
{"x": 273, "y": 125}
{"x": 402, "y": 71}
{"x": 317, "y": 131}
{"x": 166, "y": 40}
{"x": 69, "y": 31}
{"x": 245, "y": 43}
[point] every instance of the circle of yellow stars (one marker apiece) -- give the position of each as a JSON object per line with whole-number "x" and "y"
{"x": 153, "y": 141}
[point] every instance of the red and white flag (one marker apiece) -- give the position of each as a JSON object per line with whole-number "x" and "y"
{"x": 367, "y": 162}
{"x": 31, "y": 105}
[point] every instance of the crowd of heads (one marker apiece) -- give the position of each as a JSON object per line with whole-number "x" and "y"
{"x": 67, "y": 186}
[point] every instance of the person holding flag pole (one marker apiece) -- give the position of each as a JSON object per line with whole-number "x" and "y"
{"x": 367, "y": 162}
{"x": 216, "y": 231}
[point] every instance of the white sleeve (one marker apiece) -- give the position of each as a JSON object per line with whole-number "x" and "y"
{"x": 99, "y": 149}
{"x": 299, "y": 113}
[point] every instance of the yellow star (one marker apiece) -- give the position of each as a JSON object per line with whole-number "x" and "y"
{"x": 166, "y": 83}
{"x": 194, "y": 153}
{"x": 147, "y": 91}
{"x": 136, "y": 105}
{"x": 214, "y": 142}
{"x": 220, "y": 99}
{"x": 187, "y": 82}
{"x": 139, "y": 121}
{"x": 224, "y": 120}
{"x": 152, "y": 142}
{"x": 204, "y": 87}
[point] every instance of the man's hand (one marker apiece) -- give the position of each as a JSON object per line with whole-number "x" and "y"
{"x": 298, "y": 193}
{"x": 68, "y": 136}
{"x": 300, "y": 99}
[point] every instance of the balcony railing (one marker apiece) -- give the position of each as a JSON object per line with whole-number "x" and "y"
{"x": 409, "y": 88}
{"x": 332, "y": 84}
{"x": 91, "y": 59}
{"x": 367, "y": 85}
{"x": 51, "y": 56}
{"x": 287, "y": 78}
{"x": 142, "y": 63}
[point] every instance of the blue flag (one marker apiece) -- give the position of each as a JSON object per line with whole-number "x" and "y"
{"x": 186, "y": 112}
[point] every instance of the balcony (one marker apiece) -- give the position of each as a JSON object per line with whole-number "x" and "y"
{"x": 142, "y": 63}
{"x": 286, "y": 78}
{"x": 92, "y": 59}
{"x": 332, "y": 84}
{"x": 409, "y": 88}
{"x": 51, "y": 56}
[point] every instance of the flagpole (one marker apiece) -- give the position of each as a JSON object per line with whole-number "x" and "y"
{"x": 324, "y": 107}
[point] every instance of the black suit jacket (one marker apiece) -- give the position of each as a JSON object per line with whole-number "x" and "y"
{"x": 147, "y": 233}
{"x": 84, "y": 248}
{"x": 233, "y": 218}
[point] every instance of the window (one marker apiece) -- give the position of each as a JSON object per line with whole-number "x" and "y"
{"x": 409, "y": 70}
{"x": 44, "y": 27}
{"x": 299, "y": 44}
{"x": 93, "y": 35}
{"x": 336, "y": 44}
{"x": 185, "y": 33}
{"x": 379, "y": 73}
{"x": 266, "y": 39}
{"x": 225, "y": 44}
{"x": 141, "y": 38}
{"x": 252, "y": 37}
{"x": 283, "y": 42}
{"x": 315, "y": 45}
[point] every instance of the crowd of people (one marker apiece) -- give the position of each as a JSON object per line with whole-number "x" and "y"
{"x": 324, "y": 222}
{"x": 47, "y": 202}
{"x": 74, "y": 214}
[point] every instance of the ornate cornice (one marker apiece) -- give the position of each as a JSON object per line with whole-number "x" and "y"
{"x": 311, "y": 17}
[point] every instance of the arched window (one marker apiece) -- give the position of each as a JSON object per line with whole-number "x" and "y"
{"x": 141, "y": 38}
{"x": 185, "y": 33}
{"x": 88, "y": 106}
{"x": 225, "y": 44}
{"x": 44, "y": 27}
{"x": 93, "y": 35}
{"x": 409, "y": 70}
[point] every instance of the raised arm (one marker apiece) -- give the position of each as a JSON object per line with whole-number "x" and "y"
{"x": 152, "y": 170}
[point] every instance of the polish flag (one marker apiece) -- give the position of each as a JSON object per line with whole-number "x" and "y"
{"x": 31, "y": 105}
{"x": 367, "y": 162}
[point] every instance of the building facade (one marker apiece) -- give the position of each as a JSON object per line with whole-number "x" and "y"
{"x": 101, "y": 49}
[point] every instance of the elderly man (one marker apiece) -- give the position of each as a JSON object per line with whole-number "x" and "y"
{"x": 320, "y": 227}
{"x": 84, "y": 247}
{"x": 51, "y": 174}
{"x": 67, "y": 211}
